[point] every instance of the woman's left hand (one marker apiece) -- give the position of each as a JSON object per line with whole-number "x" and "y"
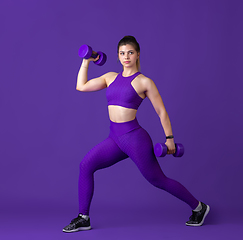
{"x": 170, "y": 146}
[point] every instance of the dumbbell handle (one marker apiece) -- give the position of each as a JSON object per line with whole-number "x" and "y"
{"x": 94, "y": 54}
{"x": 160, "y": 150}
{"x": 86, "y": 52}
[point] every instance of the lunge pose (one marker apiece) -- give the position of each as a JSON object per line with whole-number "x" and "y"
{"x": 125, "y": 92}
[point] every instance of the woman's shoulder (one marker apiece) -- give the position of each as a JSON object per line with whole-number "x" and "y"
{"x": 110, "y": 77}
{"x": 145, "y": 82}
{"x": 144, "y": 79}
{"x": 110, "y": 74}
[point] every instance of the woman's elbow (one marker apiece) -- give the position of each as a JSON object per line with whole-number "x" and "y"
{"x": 80, "y": 88}
{"x": 162, "y": 114}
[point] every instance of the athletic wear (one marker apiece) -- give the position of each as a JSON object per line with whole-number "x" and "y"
{"x": 126, "y": 140}
{"x": 120, "y": 92}
{"x": 79, "y": 223}
{"x": 197, "y": 218}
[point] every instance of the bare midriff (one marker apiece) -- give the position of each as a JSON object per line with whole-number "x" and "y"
{"x": 121, "y": 114}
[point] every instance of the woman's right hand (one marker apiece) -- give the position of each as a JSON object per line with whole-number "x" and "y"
{"x": 92, "y": 59}
{"x": 85, "y": 62}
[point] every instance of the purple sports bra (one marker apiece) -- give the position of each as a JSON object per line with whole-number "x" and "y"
{"x": 121, "y": 92}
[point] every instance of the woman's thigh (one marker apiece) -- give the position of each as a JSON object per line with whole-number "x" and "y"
{"x": 103, "y": 155}
{"x": 138, "y": 146}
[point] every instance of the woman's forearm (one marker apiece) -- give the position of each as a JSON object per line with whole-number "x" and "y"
{"x": 82, "y": 75}
{"x": 166, "y": 124}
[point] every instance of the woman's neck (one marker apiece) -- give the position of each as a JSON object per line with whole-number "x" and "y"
{"x": 129, "y": 71}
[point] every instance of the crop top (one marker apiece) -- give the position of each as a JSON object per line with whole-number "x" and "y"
{"x": 121, "y": 92}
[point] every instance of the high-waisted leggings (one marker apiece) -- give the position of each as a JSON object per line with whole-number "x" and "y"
{"x": 126, "y": 140}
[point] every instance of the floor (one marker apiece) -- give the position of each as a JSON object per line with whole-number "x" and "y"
{"x": 120, "y": 224}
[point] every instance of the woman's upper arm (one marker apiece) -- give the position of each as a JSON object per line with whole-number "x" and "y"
{"x": 96, "y": 84}
{"x": 154, "y": 96}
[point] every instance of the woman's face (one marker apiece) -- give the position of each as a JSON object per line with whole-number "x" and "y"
{"x": 128, "y": 55}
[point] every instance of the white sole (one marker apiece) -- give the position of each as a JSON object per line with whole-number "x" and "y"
{"x": 201, "y": 223}
{"x": 77, "y": 229}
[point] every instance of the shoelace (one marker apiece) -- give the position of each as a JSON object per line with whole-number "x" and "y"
{"x": 78, "y": 219}
{"x": 194, "y": 215}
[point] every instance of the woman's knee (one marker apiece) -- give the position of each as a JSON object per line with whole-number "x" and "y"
{"x": 87, "y": 165}
{"x": 155, "y": 176}
{"x": 157, "y": 181}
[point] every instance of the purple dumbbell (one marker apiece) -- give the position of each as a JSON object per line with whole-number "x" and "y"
{"x": 86, "y": 52}
{"x": 160, "y": 150}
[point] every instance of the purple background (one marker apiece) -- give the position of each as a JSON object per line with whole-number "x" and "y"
{"x": 193, "y": 52}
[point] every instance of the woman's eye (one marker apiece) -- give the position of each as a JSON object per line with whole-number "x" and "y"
{"x": 130, "y": 53}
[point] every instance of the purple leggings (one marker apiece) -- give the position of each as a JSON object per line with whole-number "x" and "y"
{"x": 126, "y": 140}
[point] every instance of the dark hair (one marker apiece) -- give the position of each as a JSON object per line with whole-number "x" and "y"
{"x": 132, "y": 41}
{"x": 129, "y": 40}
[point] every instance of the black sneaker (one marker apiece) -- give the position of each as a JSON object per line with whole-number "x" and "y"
{"x": 197, "y": 218}
{"x": 77, "y": 224}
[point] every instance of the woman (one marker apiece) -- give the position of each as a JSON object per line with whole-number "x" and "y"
{"x": 125, "y": 92}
